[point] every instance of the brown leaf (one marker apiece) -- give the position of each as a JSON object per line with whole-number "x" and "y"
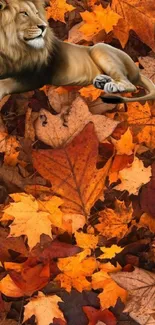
{"x": 141, "y": 286}
{"x": 73, "y": 173}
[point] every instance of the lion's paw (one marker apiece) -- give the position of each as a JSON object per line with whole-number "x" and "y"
{"x": 112, "y": 87}
{"x": 100, "y": 81}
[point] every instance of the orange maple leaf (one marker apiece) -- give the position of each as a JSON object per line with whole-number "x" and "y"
{"x": 99, "y": 19}
{"x": 57, "y": 9}
{"x": 114, "y": 223}
{"x": 75, "y": 270}
{"x": 86, "y": 240}
{"x": 90, "y": 92}
{"x": 73, "y": 173}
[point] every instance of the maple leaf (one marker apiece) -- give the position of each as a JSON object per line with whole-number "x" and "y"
{"x": 110, "y": 252}
{"x": 101, "y": 279}
{"x": 57, "y": 10}
{"x": 125, "y": 144}
{"x": 54, "y": 133}
{"x": 27, "y": 215}
{"x": 114, "y": 223}
{"x": 76, "y": 269}
{"x": 142, "y": 122}
{"x": 86, "y": 240}
{"x": 136, "y": 15}
{"x": 74, "y": 177}
{"x": 121, "y": 31}
{"x": 95, "y": 315}
{"x": 141, "y": 286}
{"x": 72, "y": 222}
{"x": 29, "y": 276}
{"x": 134, "y": 177}
{"x": 98, "y": 19}
{"x": 148, "y": 63}
{"x": 45, "y": 309}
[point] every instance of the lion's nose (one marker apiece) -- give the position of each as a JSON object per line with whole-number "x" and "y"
{"x": 42, "y": 27}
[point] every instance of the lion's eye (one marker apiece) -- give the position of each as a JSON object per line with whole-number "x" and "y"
{"x": 24, "y": 13}
{"x": 2, "y": 5}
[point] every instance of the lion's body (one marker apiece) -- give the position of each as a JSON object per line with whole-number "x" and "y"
{"x": 31, "y": 56}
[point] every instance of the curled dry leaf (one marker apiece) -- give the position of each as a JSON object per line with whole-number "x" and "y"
{"x": 134, "y": 177}
{"x": 51, "y": 130}
{"x": 141, "y": 287}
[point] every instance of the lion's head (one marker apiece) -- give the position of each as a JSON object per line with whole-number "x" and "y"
{"x": 24, "y": 31}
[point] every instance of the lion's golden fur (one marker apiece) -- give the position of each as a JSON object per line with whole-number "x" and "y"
{"x": 14, "y": 54}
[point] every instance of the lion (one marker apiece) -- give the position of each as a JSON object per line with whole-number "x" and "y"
{"x": 32, "y": 56}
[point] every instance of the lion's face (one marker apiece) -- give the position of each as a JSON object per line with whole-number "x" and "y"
{"x": 29, "y": 25}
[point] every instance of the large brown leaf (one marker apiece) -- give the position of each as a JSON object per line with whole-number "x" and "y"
{"x": 73, "y": 173}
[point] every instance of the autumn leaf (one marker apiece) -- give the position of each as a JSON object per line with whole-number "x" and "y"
{"x": 45, "y": 309}
{"x": 114, "y": 223}
{"x": 9, "y": 288}
{"x": 95, "y": 315}
{"x": 29, "y": 214}
{"x": 30, "y": 276}
{"x": 147, "y": 220}
{"x": 74, "y": 177}
{"x": 75, "y": 270}
{"x": 98, "y": 19}
{"x": 101, "y": 279}
{"x": 136, "y": 15}
{"x": 142, "y": 122}
{"x": 57, "y": 10}
{"x": 125, "y": 145}
{"x": 132, "y": 178}
{"x": 141, "y": 288}
{"x": 86, "y": 240}
{"x": 110, "y": 252}
{"x": 90, "y": 92}
{"x": 56, "y": 134}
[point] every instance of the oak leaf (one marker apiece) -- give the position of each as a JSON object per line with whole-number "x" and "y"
{"x": 98, "y": 19}
{"x": 74, "y": 177}
{"x": 75, "y": 270}
{"x": 57, "y": 10}
{"x": 114, "y": 223}
{"x": 141, "y": 287}
{"x": 28, "y": 214}
{"x": 134, "y": 177}
{"x": 56, "y": 134}
{"x": 45, "y": 309}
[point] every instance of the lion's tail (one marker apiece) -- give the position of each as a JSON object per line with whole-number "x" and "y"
{"x": 143, "y": 82}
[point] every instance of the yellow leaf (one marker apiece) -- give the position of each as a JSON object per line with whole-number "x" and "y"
{"x": 110, "y": 252}
{"x": 29, "y": 214}
{"x": 99, "y": 19}
{"x": 125, "y": 145}
{"x": 9, "y": 288}
{"x": 114, "y": 223}
{"x": 85, "y": 240}
{"x": 111, "y": 293}
{"x": 75, "y": 270}
{"x": 45, "y": 309}
{"x": 57, "y": 10}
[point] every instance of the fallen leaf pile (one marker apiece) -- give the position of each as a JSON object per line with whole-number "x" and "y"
{"x": 77, "y": 186}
